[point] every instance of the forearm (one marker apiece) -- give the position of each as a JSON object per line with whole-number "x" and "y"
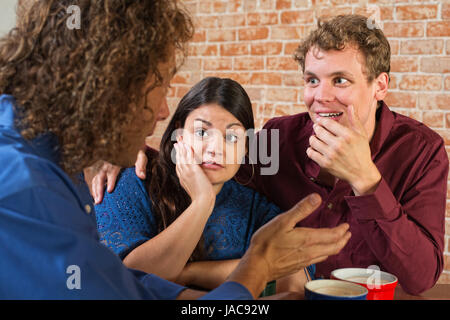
{"x": 207, "y": 274}
{"x": 407, "y": 238}
{"x": 167, "y": 253}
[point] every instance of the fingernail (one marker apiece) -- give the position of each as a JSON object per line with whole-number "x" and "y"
{"x": 314, "y": 199}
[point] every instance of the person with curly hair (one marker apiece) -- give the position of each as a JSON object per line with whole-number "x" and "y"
{"x": 72, "y": 96}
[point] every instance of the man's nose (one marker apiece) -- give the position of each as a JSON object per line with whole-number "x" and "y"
{"x": 324, "y": 92}
{"x": 164, "y": 110}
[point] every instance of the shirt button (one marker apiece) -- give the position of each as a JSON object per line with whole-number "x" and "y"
{"x": 88, "y": 209}
{"x": 312, "y": 179}
{"x": 330, "y": 206}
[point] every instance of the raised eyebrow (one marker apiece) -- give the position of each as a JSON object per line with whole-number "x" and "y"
{"x": 209, "y": 124}
{"x": 234, "y": 124}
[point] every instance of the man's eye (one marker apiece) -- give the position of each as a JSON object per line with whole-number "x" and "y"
{"x": 312, "y": 80}
{"x": 341, "y": 81}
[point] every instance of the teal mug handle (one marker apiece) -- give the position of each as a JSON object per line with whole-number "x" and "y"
{"x": 270, "y": 289}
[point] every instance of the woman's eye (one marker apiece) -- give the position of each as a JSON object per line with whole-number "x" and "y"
{"x": 200, "y": 133}
{"x": 231, "y": 138}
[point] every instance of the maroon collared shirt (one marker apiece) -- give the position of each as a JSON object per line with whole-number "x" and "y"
{"x": 400, "y": 227}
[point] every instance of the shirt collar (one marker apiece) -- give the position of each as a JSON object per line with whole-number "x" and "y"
{"x": 384, "y": 122}
{"x": 46, "y": 145}
{"x": 7, "y": 103}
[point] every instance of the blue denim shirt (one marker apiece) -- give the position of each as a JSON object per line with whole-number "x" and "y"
{"x": 50, "y": 246}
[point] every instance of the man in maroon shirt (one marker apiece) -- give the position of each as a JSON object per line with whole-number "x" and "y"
{"x": 381, "y": 172}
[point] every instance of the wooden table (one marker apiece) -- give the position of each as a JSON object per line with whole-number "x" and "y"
{"x": 438, "y": 292}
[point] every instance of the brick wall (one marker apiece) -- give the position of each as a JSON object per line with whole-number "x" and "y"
{"x": 252, "y": 41}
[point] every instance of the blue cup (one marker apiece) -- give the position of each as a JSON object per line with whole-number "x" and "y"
{"x": 334, "y": 290}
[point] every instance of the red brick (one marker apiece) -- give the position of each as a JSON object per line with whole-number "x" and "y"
{"x": 254, "y": 33}
{"x": 324, "y": 13}
{"x": 260, "y": 19}
{"x": 205, "y": 7}
{"x": 290, "y": 32}
{"x": 266, "y": 48}
{"x": 217, "y": 64}
{"x": 206, "y": 22}
{"x": 433, "y": 119}
{"x": 241, "y": 77}
{"x": 202, "y": 50}
{"x": 403, "y": 29}
{"x": 233, "y": 49}
{"x": 266, "y": 4}
{"x": 199, "y": 36}
{"x": 249, "y": 63}
{"x": 410, "y": 113}
{"x": 447, "y": 123}
{"x": 219, "y": 7}
{"x": 395, "y": 46}
{"x": 221, "y": 35}
{"x": 269, "y": 78}
{"x": 282, "y": 63}
{"x": 393, "y": 80}
{"x": 416, "y": 12}
{"x": 297, "y": 17}
{"x": 290, "y": 48}
{"x": 432, "y": 46}
{"x": 293, "y": 79}
{"x": 282, "y": 94}
{"x": 236, "y": 5}
{"x": 435, "y": 64}
{"x": 438, "y": 29}
{"x": 421, "y": 82}
{"x": 401, "y": 99}
{"x": 230, "y": 20}
{"x": 404, "y": 64}
{"x": 283, "y": 4}
{"x": 445, "y": 11}
{"x": 383, "y": 13}
{"x": 185, "y": 77}
{"x": 447, "y": 83}
{"x": 434, "y": 101}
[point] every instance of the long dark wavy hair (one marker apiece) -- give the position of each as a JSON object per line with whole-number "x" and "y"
{"x": 79, "y": 83}
{"x": 168, "y": 197}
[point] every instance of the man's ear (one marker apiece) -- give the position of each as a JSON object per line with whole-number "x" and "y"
{"x": 381, "y": 86}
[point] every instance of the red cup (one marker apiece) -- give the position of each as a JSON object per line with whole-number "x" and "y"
{"x": 381, "y": 285}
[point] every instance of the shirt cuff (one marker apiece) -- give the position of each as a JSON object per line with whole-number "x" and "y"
{"x": 229, "y": 290}
{"x": 160, "y": 288}
{"x": 380, "y": 205}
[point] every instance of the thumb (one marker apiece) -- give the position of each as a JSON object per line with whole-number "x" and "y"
{"x": 301, "y": 210}
{"x": 354, "y": 119}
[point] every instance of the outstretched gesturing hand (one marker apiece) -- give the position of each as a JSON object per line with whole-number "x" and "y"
{"x": 279, "y": 248}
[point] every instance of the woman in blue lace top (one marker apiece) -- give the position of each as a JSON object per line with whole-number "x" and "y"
{"x": 190, "y": 221}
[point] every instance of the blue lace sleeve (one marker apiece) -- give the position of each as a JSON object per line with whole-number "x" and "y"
{"x": 124, "y": 218}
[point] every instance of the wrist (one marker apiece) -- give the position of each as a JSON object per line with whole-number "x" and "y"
{"x": 252, "y": 272}
{"x": 368, "y": 183}
{"x": 205, "y": 202}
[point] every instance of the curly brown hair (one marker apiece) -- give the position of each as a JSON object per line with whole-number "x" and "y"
{"x": 79, "y": 83}
{"x": 345, "y": 30}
